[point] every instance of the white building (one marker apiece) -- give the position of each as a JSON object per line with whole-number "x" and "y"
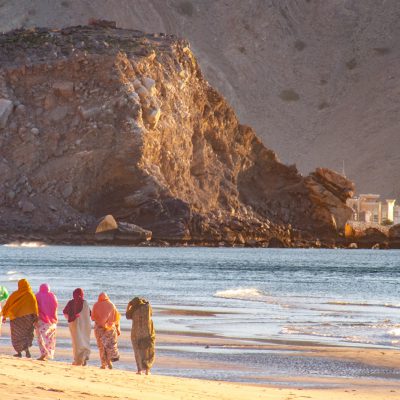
{"x": 370, "y": 208}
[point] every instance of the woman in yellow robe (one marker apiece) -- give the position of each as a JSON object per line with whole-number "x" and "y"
{"x": 22, "y": 310}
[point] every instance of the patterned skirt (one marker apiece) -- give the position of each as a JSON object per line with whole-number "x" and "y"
{"x": 46, "y": 336}
{"x": 107, "y": 344}
{"x": 22, "y": 332}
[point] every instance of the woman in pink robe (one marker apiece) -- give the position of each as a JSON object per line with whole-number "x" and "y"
{"x": 46, "y": 325}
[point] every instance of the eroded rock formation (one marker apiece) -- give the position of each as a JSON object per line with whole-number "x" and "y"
{"x": 97, "y": 120}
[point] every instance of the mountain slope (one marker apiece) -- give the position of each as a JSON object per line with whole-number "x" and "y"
{"x": 318, "y": 80}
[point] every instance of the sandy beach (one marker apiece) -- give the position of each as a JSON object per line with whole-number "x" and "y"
{"x": 31, "y": 379}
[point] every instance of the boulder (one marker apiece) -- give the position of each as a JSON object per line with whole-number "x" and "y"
{"x": 335, "y": 183}
{"x": 6, "y": 107}
{"x": 26, "y": 206}
{"x": 108, "y": 223}
{"x": 276, "y": 243}
{"x": 394, "y": 232}
{"x": 67, "y": 190}
{"x": 87, "y": 113}
{"x": 371, "y": 237}
{"x": 152, "y": 116}
{"x": 132, "y": 233}
{"x": 149, "y": 83}
{"x": 142, "y": 92}
{"x": 58, "y": 114}
{"x": 64, "y": 89}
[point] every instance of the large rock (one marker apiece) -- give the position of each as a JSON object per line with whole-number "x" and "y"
{"x": 372, "y": 237}
{"x": 132, "y": 233}
{"x": 394, "y": 236}
{"x": 64, "y": 88}
{"x": 109, "y": 231}
{"x": 331, "y": 190}
{"x": 6, "y": 107}
{"x": 394, "y": 232}
{"x": 108, "y": 223}
{"x": 131, "y": 125}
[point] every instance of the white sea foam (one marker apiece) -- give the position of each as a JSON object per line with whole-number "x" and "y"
{"x": 251, "y": 294}
{"x": 12, "y": 272}
{"x": 362, "y": 304}
{"x": 305, "y": 331}
{"x": 25, "y": 244}
{"x": 394, "y": 332}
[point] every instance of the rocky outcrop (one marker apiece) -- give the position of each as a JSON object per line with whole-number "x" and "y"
{"x": 111, "y": 121}
{"x": 111, "y": 231}
{"x": 332, "y": 189}
{"x": 394, "y": 236}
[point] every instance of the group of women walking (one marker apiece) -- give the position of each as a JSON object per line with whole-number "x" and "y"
{"x": 29, "y": 313}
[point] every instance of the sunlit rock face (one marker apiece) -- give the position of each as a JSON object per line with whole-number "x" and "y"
{"x": 97, "y": 120}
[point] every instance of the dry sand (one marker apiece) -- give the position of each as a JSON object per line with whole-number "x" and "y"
{"x": 31, "y": 379}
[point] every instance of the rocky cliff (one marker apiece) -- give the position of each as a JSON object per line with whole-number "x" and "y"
{"x": 317, "y": 79}
{"x": 96, "y": 120}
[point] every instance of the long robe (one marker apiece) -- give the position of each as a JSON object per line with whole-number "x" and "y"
{"x": 106, "y": 318}
{"x": 22, "y": 332}
{"x": 142, "y": 335}
{"x": 107, "y": 344}
{"x": 46, "y": 327}
{"x": 46, "y": 337}
{"x": 22, "y": 310}
{"x": 80, "y": 330}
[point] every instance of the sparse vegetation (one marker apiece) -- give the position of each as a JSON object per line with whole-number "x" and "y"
{"x": 185, "y": 8}
{"x": 299, "y": 45}
{"x": 289, "y": 95}
{"x": 381, "y": 51}
{"x": 351, "y": 64}
{"x": 242, "y": 49}
{"x": 323, "y": 105}
{"x": 387, "y": 222}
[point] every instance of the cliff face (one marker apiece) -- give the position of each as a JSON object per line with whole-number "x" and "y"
{"x": 97, "y": 120}
{"x": 317, "y": 79}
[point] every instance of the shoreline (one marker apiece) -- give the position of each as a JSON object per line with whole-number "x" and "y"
{"x": 31, "y": 379}
{"x": 215, "y": 358}
{"x": 90, "y": 240}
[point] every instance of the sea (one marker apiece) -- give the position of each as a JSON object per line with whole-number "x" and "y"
{"x": 322, "y": 296}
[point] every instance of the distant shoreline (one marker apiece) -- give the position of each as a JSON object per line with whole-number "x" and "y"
{"x": 29, "y": 240}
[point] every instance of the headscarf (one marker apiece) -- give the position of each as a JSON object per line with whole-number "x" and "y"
{"x": 104, "y": 312}
{"x": 133, "y": 305}
{"x": 47, "y": 303}
{"x": 22, "y": 302}
{"x": 74, "y": 306}
{"x": 3, "y": 293}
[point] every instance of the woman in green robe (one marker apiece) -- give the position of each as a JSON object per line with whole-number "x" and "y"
{"x": 142, "y": 334}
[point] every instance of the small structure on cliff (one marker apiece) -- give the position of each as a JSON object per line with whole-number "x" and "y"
{"x": 370, "y": 209}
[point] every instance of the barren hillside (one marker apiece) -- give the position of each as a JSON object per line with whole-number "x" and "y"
{"x": 317, "y": 79}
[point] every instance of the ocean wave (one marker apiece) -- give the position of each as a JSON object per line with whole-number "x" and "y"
{"x": 25, "y": 244}
{"x": 362, "y": 304}
{"x": 250, "y": 294}
{"x": 12, "y": 272}
{"x": 394, "y": 332}
{"x": 306, "y": 331}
